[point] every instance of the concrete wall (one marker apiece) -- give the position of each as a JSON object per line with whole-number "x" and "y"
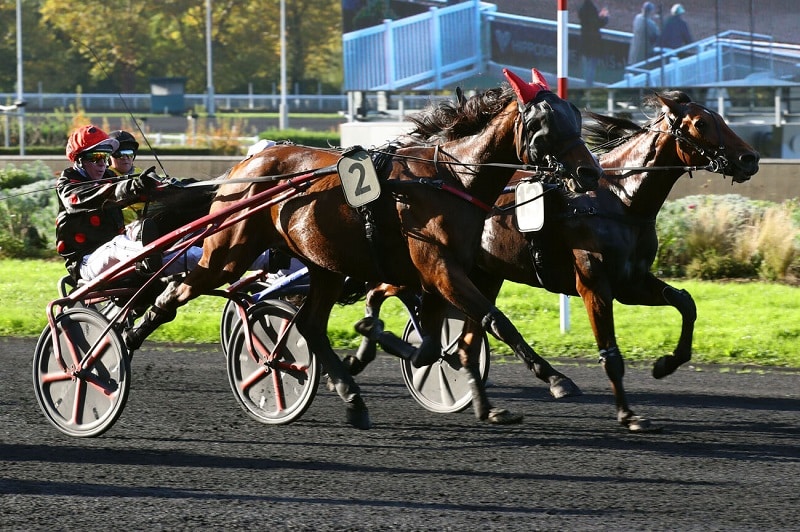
{"x": 777, "y": 179}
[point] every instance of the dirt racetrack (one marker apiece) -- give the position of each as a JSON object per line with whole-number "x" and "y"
{"x": 185, "y": 456}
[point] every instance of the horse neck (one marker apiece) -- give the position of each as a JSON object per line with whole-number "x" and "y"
{"x": 494, "y": 144}
{"x": 643, "y": 192}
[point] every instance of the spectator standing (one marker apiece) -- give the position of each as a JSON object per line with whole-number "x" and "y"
{"x": 645, "y": 34}
{"x": 676, "y": 30}
{"x": 591, "y": 21}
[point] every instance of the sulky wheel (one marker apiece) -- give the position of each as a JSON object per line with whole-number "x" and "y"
{"x": 85, "y": 401}
{"x": 229, "y": 320}
{"x": 443, "y": 387}
{"x": 273, "y": 388}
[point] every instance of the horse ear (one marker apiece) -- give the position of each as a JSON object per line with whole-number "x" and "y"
{"x": 671, "y": 105}
{"x": 460, "y": 98}
{"x": 538, "y": 79}
{"x": 525, "y": 91}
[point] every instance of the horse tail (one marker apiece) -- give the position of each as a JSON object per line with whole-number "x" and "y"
{"x": 174, "y": 207}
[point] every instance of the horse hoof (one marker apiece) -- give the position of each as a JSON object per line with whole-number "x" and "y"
{"x": 564, "y": 387}
{"x": 421, "y": 358}
{"x": 329, "y": 383}
{"x": 501, "y": 416}
{"x": 640, "y": 425}
{"x": 358, "y": 415}
{"x": 132, "y": 340}
{"x": 660, "y": 369}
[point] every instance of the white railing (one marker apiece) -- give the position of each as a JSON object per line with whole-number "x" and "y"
{"x": 410, "y": 53}
{"x": 715, "y": 60}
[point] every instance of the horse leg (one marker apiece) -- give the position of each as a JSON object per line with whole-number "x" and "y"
{"x": 469, "y": 346}
{"x": 459, "y": 290}
{"x": 502, "y": 328}
{"x": 371, "y": 327}
{"x": 599, "y": 302}
{"x": 683, "y": 302}
{"x": 429, "y": 350}
{"x": 652, "y": 291}
{"x": 163, "y": 310}
{"x": 312, "y": 324}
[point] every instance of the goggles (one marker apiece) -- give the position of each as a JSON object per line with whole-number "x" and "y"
{"x": 96, "y": 157}
{"x": 123, "y": 153}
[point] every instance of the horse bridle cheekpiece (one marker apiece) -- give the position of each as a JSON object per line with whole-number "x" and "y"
{"x": 538, "y": 106}
{"x": 717, "y": 161}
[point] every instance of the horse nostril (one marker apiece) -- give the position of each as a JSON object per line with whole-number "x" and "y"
{"x": 749, "y": 158}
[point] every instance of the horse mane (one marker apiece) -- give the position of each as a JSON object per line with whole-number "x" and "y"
{"x": 604, "y": 132}
{"x": 449, "y": 120}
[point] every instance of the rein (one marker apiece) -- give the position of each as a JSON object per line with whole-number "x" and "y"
{"x": 439, "y": 184}
{"x": 716, "y": 158}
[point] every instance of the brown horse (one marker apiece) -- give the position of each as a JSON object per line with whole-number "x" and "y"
{"x": 422, "y": 231}
{"x": 601, "y": 245}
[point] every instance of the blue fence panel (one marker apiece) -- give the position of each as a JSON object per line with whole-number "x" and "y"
{"x": 419, "y": 51}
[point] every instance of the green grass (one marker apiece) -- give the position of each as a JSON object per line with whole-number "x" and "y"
{"x": 738, "y": 323}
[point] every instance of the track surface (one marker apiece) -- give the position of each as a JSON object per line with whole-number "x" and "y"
{"x": 185, "y": 456}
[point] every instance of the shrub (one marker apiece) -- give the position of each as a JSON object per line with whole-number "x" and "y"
{"x": 27, "y": 212}
{"x": 712, "y": 237}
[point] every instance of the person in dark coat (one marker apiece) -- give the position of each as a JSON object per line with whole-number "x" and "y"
{"x": 591, "y": 48}
{"x": 645, "y": 34}
{"x": 676, "y": 30}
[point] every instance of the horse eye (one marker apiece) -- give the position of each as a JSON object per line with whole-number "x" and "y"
{"x": 700, "y": 124}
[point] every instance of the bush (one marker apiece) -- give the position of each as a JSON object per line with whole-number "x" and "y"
{"x": 722, "y": 236}
{"x": 27, "y": 211}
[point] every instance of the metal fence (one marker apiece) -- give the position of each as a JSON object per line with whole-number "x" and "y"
{"x": 411, "y": 53}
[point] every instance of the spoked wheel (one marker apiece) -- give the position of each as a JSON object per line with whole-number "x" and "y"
{"x": 227, "y": 323}
{"x": 86, "y": 402}
{"x": 443, "y": 387}
{"x": 273, "y": 388}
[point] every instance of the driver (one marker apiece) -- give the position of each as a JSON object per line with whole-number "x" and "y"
{"x": 90, "y": 231}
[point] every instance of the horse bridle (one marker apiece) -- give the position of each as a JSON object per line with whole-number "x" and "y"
{"x": 524, "y": 139}
{"x": 717, "y": 161}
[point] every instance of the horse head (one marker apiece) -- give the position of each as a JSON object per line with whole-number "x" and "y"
{"x": 704, "y": 137}
{"x": 551, "y": 126}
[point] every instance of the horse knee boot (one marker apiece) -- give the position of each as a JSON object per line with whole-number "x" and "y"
{"x": 612, "y": 362}
{"x": 427, "y": 353}
{"x": 153, "y": 318}
{"x": 372, "y": 328}
{"x": 366, "y": 353}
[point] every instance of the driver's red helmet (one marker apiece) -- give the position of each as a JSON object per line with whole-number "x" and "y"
{"x": 88, "y": 138}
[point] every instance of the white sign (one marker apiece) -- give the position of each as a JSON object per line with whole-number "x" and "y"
{"x": 529, "y": 213}
{"x": 359, "y": 179}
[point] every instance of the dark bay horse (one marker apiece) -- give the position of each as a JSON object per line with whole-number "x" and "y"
{"x": 422, "y": 231}
{"x": 601, "y": 245}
